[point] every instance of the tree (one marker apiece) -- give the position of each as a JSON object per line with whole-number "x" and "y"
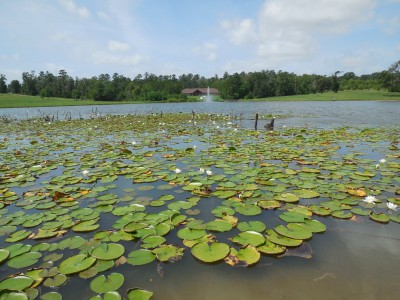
{"x": 335, "y": 82}
{"x": 394, "y": 72}
{"x": 3, "y": 85}
{"x": 14, "y": 87}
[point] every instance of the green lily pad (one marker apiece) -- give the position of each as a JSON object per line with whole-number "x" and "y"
{"x": 76, "y": 264}
{"x": 252, "y": 226}
{"x": 294, "y": 231}
{"x": 190, "y": 234}
{"x": 168, "y": 253}
{"x": 341, "y": 214}
{"x": 282, "y": 240}
{"x": 314, "y": 226}
{"x": 18, "y": 249}
{"x": 139, "y": 294}
{"x": 249, "y": 238}
{"x": 151, "y": 242}
{"x": 269, "y": 204}
{"x": 108, "y": 251}
{"x": 140, "y": 257}
{"x": 270, "y": 248}
{"x": 287, "y": 197}
{"x": 103, "y": 284}
{"x": 55, "y": 281}
{"x": 86, "y": 226}
{"x": 17, "y": 283}
{"x": 249, "y": 255}
{"x": 306, "y": 194}
{"x": 51, "y": 296}
{"x": 381, "y": 217}
{"x": 248, "y": 210}
{"x": 24, "y": 260}
{"x": 13, "y": 295}
{"x": 210, "y": 252}
{"x": 218, "y": 226}
{"x": 360, "y": 211}
{"x": 293, "y": 217}
{"x": 4, "y": 253}
{"x": 18, "y": 236}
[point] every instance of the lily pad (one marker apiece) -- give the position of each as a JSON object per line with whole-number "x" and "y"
{"x": 249, "y": 238}
{"x": 17, "y": 283}
{"x": 282, "y": 240}
{"x": 4, "y": 253}
{"x": 190, "y": 234}
{"x": 381, "y": 217}
{"x": 76, "y": 264}
{"x": 294, "y": 231}
{"x": 270, "y": 248}
{"x": 55, "y": 281}
{"x": 252, "y": 226}
{"x": 168, "y": 253}
{"x": 24, "y": 260}
{"x": 108, "y": 251}
{"x": 249, "y": 255}
{"x": 140, "y": 257}
{"x": 139, "y": 294}
{"x": 210, "y": 252}
{"x": 103, "y": 284}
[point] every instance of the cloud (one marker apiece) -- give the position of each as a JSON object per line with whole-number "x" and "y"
{"x": 240, "y": 31}
{"x": 290, "y": 29}
{"x": 104, "y": 16}
{"x": 207, "y": 50}
{"x": 117, "y": 46}
{"x": 71, "y": 7}
{"x": 101, "y": 57}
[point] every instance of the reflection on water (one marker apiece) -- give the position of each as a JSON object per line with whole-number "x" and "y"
{"x": 317, "y": 114}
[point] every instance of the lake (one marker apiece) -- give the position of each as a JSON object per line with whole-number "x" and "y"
{"x": 355, "y": 258}
{"x": 318, "y": 114}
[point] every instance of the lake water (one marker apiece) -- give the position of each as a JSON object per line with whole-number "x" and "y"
{"x": 317, "y": 114}
{"x": 352, "y": 260}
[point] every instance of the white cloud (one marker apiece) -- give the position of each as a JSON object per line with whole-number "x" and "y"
{"x": 207, "y": 50}
{"x": 100, "y": 57}
{"x": 117, "y": 46}
{"x": 289, "y": 29}
{"x": 104, "y": 16}
{"x": 240, "y": 31}
{"x": 71, "y": 7}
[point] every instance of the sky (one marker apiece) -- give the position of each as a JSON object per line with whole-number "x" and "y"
{"x": 87, "y": 38}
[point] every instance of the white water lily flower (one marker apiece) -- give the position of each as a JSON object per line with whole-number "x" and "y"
{"x": 391, "y": 206}
{"x": 134, "y": 143}
{"x": 194, "y": 146}
{"x": 202, "y": 170}
{"x": 209, "y": 172}
{"x": 382, "y": 161}
{"x": 85, "y": 172}
{"x": 177, "y": 171}
{"x": 370, "y": 199}
{"x": 377, "y": 166}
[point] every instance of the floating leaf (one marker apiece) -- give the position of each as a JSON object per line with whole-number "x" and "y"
{"x": 294, "y": 231}
{"x": 381, "y": 218}
{"x": 13, "y": 295}
{"x": 249, "y": 255}
{"x": 210, "y": 252}
{"x": 57, "y": 280}
{"x": 282, "y": 240}
{"x": 24, "y": 260}
{"x": 168, "y": 253}
{"x": 139, "y": 294}
{"x": 76, "y": 264}
{"x": 190, "y": 234}
{"x": 108, "y": 251}
{"x": 140, "y": 257}
{"x": 17, "y": 283}
{"x": 51, "y": 296}
{"x": 252, "y": 226}
{"x": 218, "y": 225}
{"x": 103, "y": 284}
{"x": 4, "y": 253}
{"x": 249, "y": 238}
{"x": 270, "y": 248}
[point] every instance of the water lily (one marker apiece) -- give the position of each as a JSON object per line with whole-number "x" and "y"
{"x": 370, "y": 199}
{"x": 194, "y": 146}
{"x": 177, "y": 171}
{"x": 382, "y": 161}
{"x": 202, "y": 170}
{"x": 85, "y": 172}
{"x": 377, "y": 166}
{"x": 209, "y": 172}
{"x": 391, "y": 206}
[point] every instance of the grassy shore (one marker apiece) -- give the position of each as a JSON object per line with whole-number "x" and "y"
{"x": 15, "y": 101}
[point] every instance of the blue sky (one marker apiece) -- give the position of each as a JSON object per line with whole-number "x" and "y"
{"x": 207, "y": 37}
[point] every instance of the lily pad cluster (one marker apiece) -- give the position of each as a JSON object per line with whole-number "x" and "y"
{"x": 79, "y": 198}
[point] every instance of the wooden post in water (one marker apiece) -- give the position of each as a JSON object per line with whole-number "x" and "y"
{"x": 255, "y": 125}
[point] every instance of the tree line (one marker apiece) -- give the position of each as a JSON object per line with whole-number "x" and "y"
{"x": 150, "y": 87}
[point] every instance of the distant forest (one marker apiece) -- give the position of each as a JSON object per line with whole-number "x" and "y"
{"x": 150, "y": 87}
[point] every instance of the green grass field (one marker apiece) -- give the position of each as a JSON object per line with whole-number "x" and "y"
{"x": 14, "y": 101}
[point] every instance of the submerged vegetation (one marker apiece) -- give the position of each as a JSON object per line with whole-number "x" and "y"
{"x": 83, "y": 197}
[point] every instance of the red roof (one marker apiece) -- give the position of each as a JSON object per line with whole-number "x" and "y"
{"x": 204, "y": 91}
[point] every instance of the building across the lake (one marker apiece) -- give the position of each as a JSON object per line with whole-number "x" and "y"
{"x": 200, "y": 91}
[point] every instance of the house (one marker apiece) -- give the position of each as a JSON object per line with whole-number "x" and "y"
{"x": 200, "y": 91}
